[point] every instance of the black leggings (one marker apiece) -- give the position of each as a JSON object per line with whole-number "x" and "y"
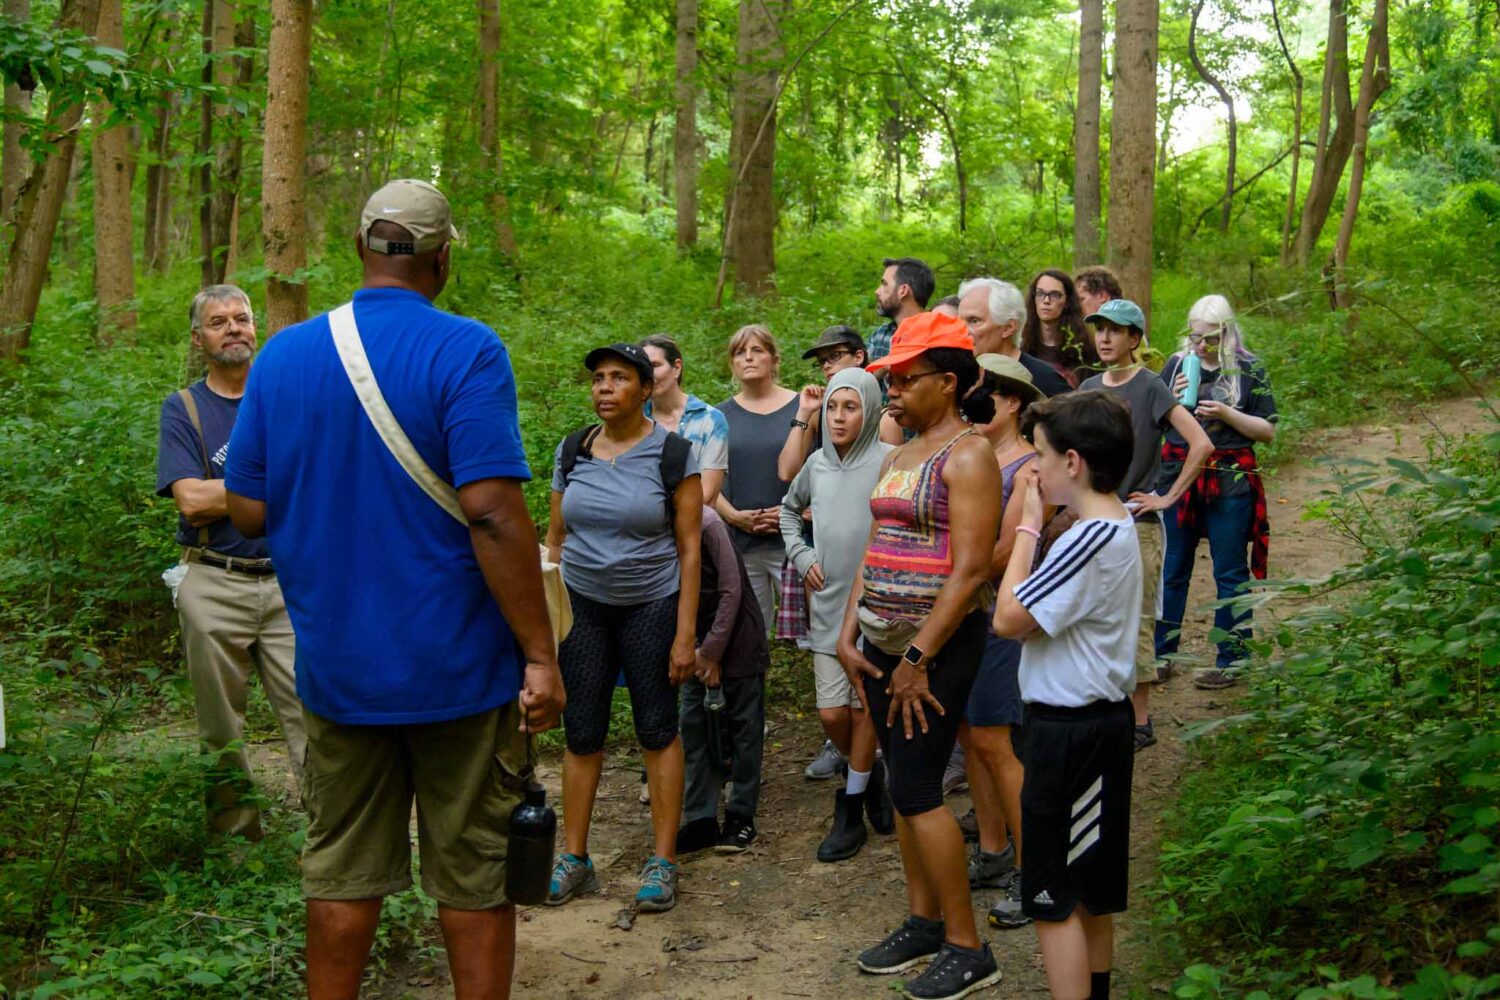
{"x": 605, "y": 640}
{"x": 916, "y": 765}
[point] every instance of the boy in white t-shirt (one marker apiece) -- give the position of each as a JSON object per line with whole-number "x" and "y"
{"x": 1078, "y": 613}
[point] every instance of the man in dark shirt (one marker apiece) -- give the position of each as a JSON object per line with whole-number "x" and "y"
{"x": 994, "y": 311}
{"x": 234, "y": 620}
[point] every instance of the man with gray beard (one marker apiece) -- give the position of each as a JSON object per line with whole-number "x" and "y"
{"x": 234, "y": 621}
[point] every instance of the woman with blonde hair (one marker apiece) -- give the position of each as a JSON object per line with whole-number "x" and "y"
{"x": 1227, "y": 502}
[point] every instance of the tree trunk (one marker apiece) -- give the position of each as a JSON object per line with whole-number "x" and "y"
{"x": 1086, "y": 195}
{"x": 1132, "y": 148}
{"x": 489, "y": 127}
{"x": 284, "y": 212}
{"x": 38, "y": 205}
{"x": 15, "y": 162}
{"x": 114, "y": 238}
{"x": 159, "y": 189}
{"x": 752, "y": 244}
{"x": 231, "y": 139}
{"x": 1333, "y": 149}
{"x": 1291, "y": 194}
{"x": 1223, "y": 93}
{"x": 1373, "y": 81}
{"x": 685, "y": 132}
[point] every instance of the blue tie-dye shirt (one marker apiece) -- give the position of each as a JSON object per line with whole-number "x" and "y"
{"x": 708, "y": 431}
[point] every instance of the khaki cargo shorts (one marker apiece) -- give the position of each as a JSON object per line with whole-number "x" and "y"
{"x": 466, "y": 776}
{"x": 1151, "y": 537}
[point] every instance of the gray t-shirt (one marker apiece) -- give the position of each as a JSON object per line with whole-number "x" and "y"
{"x": 1151, "y": 404}
{"x": 620, "y": 548}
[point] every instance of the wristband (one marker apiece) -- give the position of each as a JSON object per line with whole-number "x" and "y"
{"x": 1030, "y": 531}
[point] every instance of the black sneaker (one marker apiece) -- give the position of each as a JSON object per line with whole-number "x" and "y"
{"x": 1006, "y": 913}
{"x": 699, "y": 835}
{"x": 739, "y": 834}
{"x": 878, "y": 805}
{"x": 956, "y": 972}
{"x": 989, "y": 870}
{"x": 1145, "y": 736}
{"x": 917, "y": 938}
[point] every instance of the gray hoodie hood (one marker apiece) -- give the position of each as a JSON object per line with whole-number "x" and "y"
{"x": 868, "y": 388}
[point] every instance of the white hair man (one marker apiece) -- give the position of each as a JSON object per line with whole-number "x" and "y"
{"x": 994, "y": 312}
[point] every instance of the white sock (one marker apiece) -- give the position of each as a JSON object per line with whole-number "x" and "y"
{"x": 858, "y": 782}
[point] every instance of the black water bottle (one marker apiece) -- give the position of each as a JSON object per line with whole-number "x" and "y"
{"x": 533, "y": 838}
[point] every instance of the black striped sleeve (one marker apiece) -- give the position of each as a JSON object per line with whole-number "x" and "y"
{"x": 1063, "y": 564}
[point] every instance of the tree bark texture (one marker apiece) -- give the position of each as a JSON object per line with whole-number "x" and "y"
{"x": 1374, "y": 79}
{"x": 1132, "y": 148}
{"x": 752, "y": 243}
{"x": 685, "y": 131}
{"x": 1223, "y": 92}
{"x": 489, "y": 127}
{"x": 15, "y": 162}
{"x": 229, "y": 138}
{"x": 1290, "y": 219}
{"x": 158, "y": 202}
{"x": 38, "y": 205}
{"x": 1335, "y": 140}
{"x": 1086, "y": 194}
{"x": 284, "y": 207}
{"x": 114, "y": 237}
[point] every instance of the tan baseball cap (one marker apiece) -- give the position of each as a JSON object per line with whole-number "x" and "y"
{"x": 415, "y": 205}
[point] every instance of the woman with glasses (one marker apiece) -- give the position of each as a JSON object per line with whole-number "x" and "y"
{"x": 1055, "y": 331}
{"x": 1227, "y": 502}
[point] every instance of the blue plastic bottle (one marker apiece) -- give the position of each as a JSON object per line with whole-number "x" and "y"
{"x": 1192, "y": 367}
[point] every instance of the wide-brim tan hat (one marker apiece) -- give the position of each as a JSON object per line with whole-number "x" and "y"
{"x": 1012, "y": 376}
{"x": 418, "y": 207}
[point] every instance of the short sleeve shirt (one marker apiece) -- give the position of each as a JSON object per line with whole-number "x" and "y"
{"x": 1254, "y": 398}
{"x": 178, "y": 457}
{"x": 707, "y": 430}
{"x": 1086, "y": 598}
{"x": 621, "y": 548}
{"x": 1151, "y": 404}
{"x": 395, "y": 623}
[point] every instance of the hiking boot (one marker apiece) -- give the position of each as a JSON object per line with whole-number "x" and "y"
{"x": 956, "y": 972}
{"x": 848, "y": 834}
{"x": 1214, "y": 680}
{"x": 571, "y": 876}
{"x": 992, "y": 870}
{"x": 658, "y": 892}
{"x": 917, "y": 938}
{"x": 968, "y": 823}
{"x": 699, "y": 835}
{"x": 826, "y": 764}
{"x": 739, "y": 834}
{"x": 1006, "y": 913}
{"x": 1145, "y": 736}
{"x": 878, "y": 805}
{"x": 956, "y": 775}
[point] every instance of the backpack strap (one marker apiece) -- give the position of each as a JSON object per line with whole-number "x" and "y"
{"x": 191, "y": 406}
{"x": 675, "y": 451}
{"x": 580, "y": 442}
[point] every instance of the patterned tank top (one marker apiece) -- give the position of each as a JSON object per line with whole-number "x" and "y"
{"x": 909, "y": 558}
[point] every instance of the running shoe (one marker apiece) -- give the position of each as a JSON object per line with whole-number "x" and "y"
{"x": 1006, "y": 913}
{"x": 917, "y": 938}
{"x": 956, "y": 775}
{"x": 658, "y": 892}
{"x": 571, "y": 876}
{"x": 956, "y": 972}
{"x": 1214, "y": 680}
{"x": 826, "y": 764}
{"x": 992, "y": 870}
{"x": 739, "y": 834}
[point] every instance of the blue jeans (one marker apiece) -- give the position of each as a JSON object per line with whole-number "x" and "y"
{"x": 1227, "y": 524}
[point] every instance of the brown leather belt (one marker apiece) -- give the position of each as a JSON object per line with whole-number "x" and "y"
{"x": 232, "y": 564}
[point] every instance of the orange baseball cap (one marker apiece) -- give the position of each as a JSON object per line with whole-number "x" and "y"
{"x": 920, "y": 334}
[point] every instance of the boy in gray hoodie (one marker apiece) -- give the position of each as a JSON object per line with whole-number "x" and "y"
{"x": 836, "y": 483}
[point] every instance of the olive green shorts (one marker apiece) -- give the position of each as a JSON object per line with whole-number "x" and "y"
{"x": 358, "y": 785}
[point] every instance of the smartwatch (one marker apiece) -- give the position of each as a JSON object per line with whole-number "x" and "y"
{"x": 799, "y": 423}
{"x": 913, "y": 656}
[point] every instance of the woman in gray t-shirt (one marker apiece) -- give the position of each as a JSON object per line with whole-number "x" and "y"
{"x": 629, "y": 550}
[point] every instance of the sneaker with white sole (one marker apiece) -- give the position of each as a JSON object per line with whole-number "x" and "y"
{"x": 826, "y": 764}
{"x": 658, "y": 892}
{"x": 956, "y": 972}
{"x": 571, "y": 876}
{"x": 992, "y": 870}
{"x": 916, "y": 939}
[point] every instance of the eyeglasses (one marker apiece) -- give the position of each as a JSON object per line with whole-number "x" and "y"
{"x": 832, "y": 357}
{"x": 901, "y": 383}
{"x": 1206, "y": 339}
{"x": 1046, "y": 296}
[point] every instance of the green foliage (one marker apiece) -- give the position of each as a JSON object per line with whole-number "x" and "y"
{"x": 1339, "y": 838}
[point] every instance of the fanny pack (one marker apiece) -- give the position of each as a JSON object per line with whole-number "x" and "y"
{"x": 890, "y": 635}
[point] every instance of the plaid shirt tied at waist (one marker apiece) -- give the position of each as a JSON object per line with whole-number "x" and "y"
{"x": 1192, "y": 509}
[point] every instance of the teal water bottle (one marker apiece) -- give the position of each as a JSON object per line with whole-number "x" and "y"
{"x": 1192, "y": 367}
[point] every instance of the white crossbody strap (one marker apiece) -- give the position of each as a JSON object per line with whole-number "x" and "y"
{"x": 357, "y": 366}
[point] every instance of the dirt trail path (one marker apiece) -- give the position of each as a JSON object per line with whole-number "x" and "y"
{"x": 775, "y": 923}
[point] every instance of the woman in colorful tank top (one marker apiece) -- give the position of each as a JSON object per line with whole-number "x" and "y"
{"x": 914, "y": 630}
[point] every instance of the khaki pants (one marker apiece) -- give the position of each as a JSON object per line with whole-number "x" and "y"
{"x": 233, "y": 625}
{"x": 1151, "y": 538}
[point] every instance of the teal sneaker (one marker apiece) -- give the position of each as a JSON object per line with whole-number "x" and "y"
{"x": 658, "y": 886}
{"x": 571, "y": 876}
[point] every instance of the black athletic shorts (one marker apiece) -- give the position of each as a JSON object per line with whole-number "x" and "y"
{"x": 1075, "y": 809}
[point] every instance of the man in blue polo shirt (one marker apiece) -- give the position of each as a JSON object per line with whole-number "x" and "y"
{"x": 423, "y": 646}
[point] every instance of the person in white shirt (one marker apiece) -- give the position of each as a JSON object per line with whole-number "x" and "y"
{"x": 1078, "y": 613}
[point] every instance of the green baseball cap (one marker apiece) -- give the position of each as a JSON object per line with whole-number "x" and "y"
{"x": 1121, "y": 312}
{"x": 414, "y": 205}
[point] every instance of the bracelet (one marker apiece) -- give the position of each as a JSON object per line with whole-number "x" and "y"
{"x": 1030, "y": 531}
{"x": 799, "y": 423}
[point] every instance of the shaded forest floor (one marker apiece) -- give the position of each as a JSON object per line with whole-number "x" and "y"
{"x": 773, "y": 922}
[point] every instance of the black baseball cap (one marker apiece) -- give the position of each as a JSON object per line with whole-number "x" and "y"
{"x": 631, "y": 354}
{"x": 835, "y": 336}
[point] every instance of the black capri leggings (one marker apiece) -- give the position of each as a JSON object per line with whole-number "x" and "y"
{"x": 916, "y": 765}
{"x": 604, "y": 640}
